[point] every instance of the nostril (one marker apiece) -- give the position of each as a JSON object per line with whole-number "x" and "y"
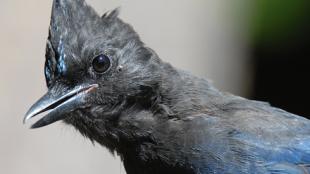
{"x": 120, "y": 68}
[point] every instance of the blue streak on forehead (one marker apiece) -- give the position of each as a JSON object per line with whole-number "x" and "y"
{"x": 48, "y": 70}
{"x": 61, "y": 65}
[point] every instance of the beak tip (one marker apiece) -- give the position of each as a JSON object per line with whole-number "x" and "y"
{"x": 48, "y": 102}
{"x": 28, "y": 115}
{"x": 33, "y": 127}
{"x": 25, "y": 119}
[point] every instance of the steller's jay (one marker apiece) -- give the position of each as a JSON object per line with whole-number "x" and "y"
{"x": 116, "y": 91}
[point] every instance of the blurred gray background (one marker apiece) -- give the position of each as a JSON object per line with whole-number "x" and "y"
{"x": 206, "y": 37}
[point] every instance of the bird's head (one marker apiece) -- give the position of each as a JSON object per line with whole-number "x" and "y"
{"x": 95, "y": 65}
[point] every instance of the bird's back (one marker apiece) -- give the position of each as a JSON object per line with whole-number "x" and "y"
{"x": 223, "y": 133}
{"x": 266, "y": 139}
{"x": 242, "y": 136}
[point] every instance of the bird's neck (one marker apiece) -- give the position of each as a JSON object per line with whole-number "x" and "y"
{"x": 130, "y": 123}
{"x": 135, "y": 136}
{"x": 132, "y": 130}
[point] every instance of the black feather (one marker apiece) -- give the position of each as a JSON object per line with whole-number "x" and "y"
{"x": 157, "y": 118}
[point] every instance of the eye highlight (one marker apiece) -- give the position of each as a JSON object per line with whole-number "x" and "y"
{"x": 101, "y": 63}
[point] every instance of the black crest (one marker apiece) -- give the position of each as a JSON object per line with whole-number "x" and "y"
{"x": 73, "y": 22}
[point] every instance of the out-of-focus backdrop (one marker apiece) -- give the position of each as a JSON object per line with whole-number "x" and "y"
{"x": 257, "y": 49}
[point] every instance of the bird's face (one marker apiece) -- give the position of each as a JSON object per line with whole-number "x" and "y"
{"x": 91, "y": 62}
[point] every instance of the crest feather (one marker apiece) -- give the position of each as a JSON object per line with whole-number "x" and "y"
{"x": 111, "y": 15}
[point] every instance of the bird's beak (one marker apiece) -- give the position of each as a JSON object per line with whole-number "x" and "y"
{"x": 58, "y": 105}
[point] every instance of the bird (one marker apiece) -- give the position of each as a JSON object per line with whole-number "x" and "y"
{"x": 116, "y": 91}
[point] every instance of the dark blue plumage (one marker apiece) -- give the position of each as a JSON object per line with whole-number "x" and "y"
{"x": 115, "y": 90}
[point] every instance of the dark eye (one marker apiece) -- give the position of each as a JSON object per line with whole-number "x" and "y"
{"x": 101, "y": 63}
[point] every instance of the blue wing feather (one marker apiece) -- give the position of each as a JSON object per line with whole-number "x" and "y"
{"x": 280, "y": 141}
{"x": 256, "y": 138}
